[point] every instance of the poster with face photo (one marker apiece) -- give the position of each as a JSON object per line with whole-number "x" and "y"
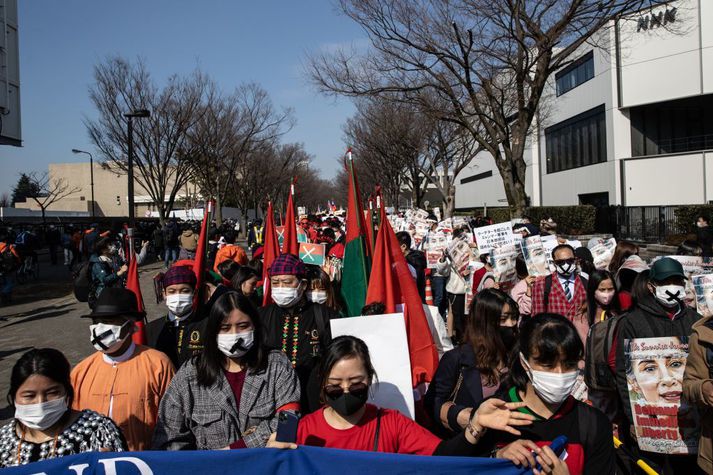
{"x": 502, "y": 259}
{"x": 535, "y": 256}
{"x": 603, "y": 253}
{"x": 664, "y": 422}
{"x": 435, "y": 245}
{"x": 703, "y": 288}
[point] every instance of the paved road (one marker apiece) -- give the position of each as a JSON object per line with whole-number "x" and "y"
{"x": 46, "y": 314}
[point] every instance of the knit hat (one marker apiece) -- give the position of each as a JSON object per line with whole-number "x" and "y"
{"x": 179, "y": 275}
{"x": 287, "y": 264}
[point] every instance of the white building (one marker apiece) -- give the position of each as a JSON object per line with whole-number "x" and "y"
{"x": 629, "y": 122}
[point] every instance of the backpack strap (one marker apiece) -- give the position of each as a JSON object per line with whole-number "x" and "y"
{"x": 378, "y": 429}
{"x": 546, "y": 294}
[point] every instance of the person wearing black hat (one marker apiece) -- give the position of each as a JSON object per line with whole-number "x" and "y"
{"x": 659, "y": 314}
{"x": 122, "y": 380}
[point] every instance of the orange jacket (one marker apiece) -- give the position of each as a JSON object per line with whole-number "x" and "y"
{"x": 4, "y": 246}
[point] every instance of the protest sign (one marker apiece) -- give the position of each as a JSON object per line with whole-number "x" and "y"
{"x": 280, "y": 230}
{"x": 301, "y": 235}
{"x": 603, "y": 252}
{"x": 703, "y": 288}
{"x": 438, "y": 330}
{"x": 664, "y": 422}
{"x": 303, "y": 461}
{"x": 535, "y": 256}
{"x": 312, "y": 253}
{"x": 460, "y": 255}
{"x": 549, "y": 243}
{"x": 502, "y": 260}
{"x": 495, "y": 235}
{"x": 434, "y": 246}
{"x": 385, "y": 335}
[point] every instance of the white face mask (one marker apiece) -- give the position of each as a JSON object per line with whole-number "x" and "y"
{"x": 286, "y": 296}
{"x": 565, "y": 270}
{"x": 180, "y": 304}
{"x": 317, "y": 296}
{"x": 106, "y": 338}
{"x": 552, "y": 388}
{"x": 670, "y": 295}
{"x": 235, "y": 345}
{"x": 603, "y": 298}
{"x": 42, "y": 415}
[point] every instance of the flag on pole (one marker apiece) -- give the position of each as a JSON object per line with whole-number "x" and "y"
{"x": 271, "y": 250}
{"x": 391, "y": 283}
{"x": 199, "y": 263}
{"x": 355, "y": 273}
{"x": 133, "y": 284}
{"x": 290, "y": 245}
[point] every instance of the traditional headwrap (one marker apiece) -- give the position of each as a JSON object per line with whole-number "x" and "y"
{"x": 287, "y": 264}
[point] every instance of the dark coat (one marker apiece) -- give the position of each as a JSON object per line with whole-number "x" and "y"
{"x": 470, "y": 394}
{"x": 417, "y": 259}
{"x": 179, "y": 342}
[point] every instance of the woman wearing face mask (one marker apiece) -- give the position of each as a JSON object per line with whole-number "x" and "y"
{"x": 542, "y": 374}
{"x": 473, "y": 371}
{"x": 229, "y": 396}
{"x": 245, "y": 282}
{"x": 105, "y": 270}
{"x": 178, "y": 334}
{"x": 295, "y": 325}
{"x": 348, "y": 422}
{"x": 602, "y": 297}
{"x": 44, "y": 426}
{"x": 320, "y": 288}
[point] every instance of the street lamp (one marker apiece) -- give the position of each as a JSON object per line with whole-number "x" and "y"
{"x": 91, "y": 173}
{"x": 138, "y": 113}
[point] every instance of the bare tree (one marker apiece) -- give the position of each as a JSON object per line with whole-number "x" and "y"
{"x": 5, "y": 200}
{"x": 490, "y": 60}
{"x": 228, "y": 129}
{"x": 122, "y": 87}
{"x": 49, "y": 190}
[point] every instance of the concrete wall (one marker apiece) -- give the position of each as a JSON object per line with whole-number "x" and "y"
{"x": 670, "y": 180}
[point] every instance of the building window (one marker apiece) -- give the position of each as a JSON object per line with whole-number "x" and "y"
{"x": 683, "y": 125}
{"x": 577, "y": 142}
{"x": 580, "y": 71}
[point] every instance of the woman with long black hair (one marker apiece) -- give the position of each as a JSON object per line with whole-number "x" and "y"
{"x": 228, "y": 396}
{"x": 473, "y": 371}
{"x": 602, "y": 297}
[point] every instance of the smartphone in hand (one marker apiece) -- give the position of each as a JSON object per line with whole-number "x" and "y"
{"x": 287, "y": 422}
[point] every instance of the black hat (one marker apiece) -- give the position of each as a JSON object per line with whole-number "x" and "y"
{"x": 114, "y": 302}
{"x": 665, "y": 268}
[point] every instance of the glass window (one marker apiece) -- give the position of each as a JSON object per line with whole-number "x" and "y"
{"x": 579, "y": 72}
{"x": 680, "y": 126}
{"x": 577, "y": 142}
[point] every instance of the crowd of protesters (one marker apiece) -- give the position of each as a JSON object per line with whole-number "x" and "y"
{"x": 221, "y": 362}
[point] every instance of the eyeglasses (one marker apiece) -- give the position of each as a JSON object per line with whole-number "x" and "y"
{"x": 333, "y": 391}
{"x": 561, "y": 262}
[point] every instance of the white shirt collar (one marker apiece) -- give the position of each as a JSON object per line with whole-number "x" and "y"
{"x": 176, "y": 320}
{"x": 121, "y": 358}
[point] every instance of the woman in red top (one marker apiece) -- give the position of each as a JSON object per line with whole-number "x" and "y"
{"x": 348, "y": 422}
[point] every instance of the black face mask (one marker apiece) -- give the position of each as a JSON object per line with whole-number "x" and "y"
{"x": 349, "y": 403}
{"x": 509, "y": 336}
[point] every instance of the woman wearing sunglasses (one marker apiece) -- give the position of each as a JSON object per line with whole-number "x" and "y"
{"x": 348, "y": 422}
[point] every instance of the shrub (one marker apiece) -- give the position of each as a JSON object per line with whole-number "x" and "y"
{"x": 686, "y": 216}
{"x": 570, "y": 219}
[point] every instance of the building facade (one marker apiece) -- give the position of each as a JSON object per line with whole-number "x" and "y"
{"x": 628, "y": 122}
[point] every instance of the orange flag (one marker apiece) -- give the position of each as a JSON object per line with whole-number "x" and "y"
{"x": 271, "y": 250}
{"x": 392, "y": 283}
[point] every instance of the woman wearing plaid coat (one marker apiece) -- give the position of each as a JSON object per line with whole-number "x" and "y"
{"x": 229, "y": 396}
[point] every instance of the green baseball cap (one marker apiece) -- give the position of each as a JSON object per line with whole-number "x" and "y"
{"x": 665, "y": 268}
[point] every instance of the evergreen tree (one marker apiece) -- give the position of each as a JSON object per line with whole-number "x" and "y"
{"x": 24, "y": 189}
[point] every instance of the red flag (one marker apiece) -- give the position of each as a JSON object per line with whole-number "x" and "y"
{"x": 271, "y": 250}
{"x": 133, "y": 284}
{"x": 201, "y": 251}
{"x": 391, "y": 282}
{"x": 290, "y": 244}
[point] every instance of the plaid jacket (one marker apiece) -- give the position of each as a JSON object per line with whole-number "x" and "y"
{"x": 193, "y": 417}
{"x": 558, "y": 302}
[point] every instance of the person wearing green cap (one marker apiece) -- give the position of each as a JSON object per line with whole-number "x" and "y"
{"x": 659, "y": 315}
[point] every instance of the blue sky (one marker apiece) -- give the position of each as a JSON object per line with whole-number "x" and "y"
{"x": 234, "y": 41}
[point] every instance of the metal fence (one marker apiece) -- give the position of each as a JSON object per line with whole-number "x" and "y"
{"x": 644, "y": 223}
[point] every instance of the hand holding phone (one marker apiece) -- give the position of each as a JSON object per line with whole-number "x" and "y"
{"x": 287, "y": 422}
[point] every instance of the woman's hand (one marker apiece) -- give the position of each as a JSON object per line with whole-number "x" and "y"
{"x": 521, "y": 452}
{"x": 500, "y": 415}
{"x": 122, "y": 270}
{"x": 272, "y": 443}
{"x": 550, "y": 463}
